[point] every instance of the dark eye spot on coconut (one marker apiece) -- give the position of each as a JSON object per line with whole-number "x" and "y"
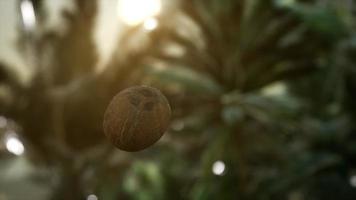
{"x": 147, "y": 93}
{"x": 135, "y": 100}
{"x": 148, "y": 106}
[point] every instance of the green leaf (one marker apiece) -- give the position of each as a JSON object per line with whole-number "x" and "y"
{"x": 325, "y": 20}
{"x": 232, "y": 114}
{"x": 186, "y": 78}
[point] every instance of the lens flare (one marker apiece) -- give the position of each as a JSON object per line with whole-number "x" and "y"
{"x": 14, "y": 145}
{"x": 218, "y": 168}
{"x": 92, "y": 197}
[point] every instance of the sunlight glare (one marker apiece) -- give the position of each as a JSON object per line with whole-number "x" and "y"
{"x": 134, "y": 12}
{"x": 150, "y": 24}
{"x": 28, "y": 14}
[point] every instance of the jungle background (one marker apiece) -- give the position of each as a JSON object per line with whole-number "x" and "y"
{"x": 263, "y": 95}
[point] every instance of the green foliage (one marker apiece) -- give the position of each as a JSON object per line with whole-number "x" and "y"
{"x": 275, "y": 144}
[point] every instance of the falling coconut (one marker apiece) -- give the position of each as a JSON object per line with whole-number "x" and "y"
{"x": 136, "y": 118}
